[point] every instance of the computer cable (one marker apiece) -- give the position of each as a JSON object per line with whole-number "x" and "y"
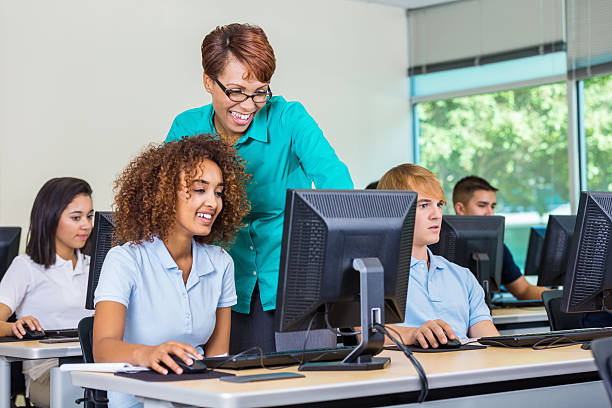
{"x": 553, "y": 344}
{"x": 307, "y": 335}
{"x": 261, "y": 356}
{"x": 328, "y": 309}
{"x": 418, "y": 367}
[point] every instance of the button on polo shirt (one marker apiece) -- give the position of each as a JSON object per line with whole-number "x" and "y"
{"x": 54, "y": 295}
{"x": 160, "y": 306}
{"x": 444, "y": 291}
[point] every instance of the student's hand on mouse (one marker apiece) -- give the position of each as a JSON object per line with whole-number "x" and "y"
{"x": 19, "y": 327}
{"x": 153, "y": 356}
{"x": 433, "y": 331}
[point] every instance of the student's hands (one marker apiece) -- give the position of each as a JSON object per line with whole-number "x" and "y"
{"x": 433, "y": 331}
{"x": 18, "y": 328}
{"x": 152, "y": 356}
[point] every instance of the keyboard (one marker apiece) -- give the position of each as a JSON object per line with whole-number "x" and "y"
{"x": 61, "y": 333}
{"x": 290, "y": 357}
{"x": 506, "y": 303}
{"x": 547, "y": 338}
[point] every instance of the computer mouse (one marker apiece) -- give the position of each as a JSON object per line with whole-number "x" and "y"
{"x": 450, "y": 344}
{"x": 33, "y": 334}
{"x": 198, "y": 366}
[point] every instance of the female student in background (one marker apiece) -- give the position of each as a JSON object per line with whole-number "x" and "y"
{"x": 46, "y": 286}
{"x": 283, "y": 148}
{"x": 169, "y": 288}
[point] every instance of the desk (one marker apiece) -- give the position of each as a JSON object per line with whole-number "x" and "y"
{"x": 33, "y": 350}
{"x": 519, "y": 320}
{"x": 453, "y": 377}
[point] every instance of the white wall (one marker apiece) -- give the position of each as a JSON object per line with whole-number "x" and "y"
{"x": 84, "y": 84}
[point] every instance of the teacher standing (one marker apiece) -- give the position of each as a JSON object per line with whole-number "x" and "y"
{"x": 283, "y": 148}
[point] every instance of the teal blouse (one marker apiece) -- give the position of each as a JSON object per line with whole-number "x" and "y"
{"x": 283, "y": 148}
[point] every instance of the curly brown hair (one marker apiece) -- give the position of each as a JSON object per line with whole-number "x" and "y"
{"x": 146, "y": 191}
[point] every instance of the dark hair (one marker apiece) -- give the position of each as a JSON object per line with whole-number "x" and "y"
{"x": 465, "y": 188}
{"x": 145, "y": 192}
{"x": 372, "y": 185}
{"x": 53, "y": 197}
{"x": 247, "y": 43}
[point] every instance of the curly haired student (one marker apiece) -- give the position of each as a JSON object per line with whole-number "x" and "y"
{"x": 169, "y": 287}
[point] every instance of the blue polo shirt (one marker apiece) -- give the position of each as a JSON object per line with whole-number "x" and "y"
{"x": 444, "y": 291}
{"x": 160, "y": 307}
{"x": 510, "y": 270}
{"x": 283, "y": 148}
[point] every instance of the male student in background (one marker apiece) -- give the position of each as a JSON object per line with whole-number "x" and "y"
{"x": 473, "y": 195}
{"x": 445, "y": 300}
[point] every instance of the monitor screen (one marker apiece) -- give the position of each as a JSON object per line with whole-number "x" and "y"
{"x": 475, "y": 242}
{"x": 588, "y": 280}
{"x": 534, "y": 250}
{"x": 558, "y": 235}
{"x": 102, "y": 243}
{"x": 326, "y": 234}
{"x": 9, "y": 247}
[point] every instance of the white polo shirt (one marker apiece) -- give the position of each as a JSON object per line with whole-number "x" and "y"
{"x": 55, "y": 296}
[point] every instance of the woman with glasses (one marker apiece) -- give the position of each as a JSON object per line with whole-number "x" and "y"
{"x": 283, "y": 147}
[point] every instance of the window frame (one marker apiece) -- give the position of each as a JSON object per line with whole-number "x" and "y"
{"x": 576, "y": 132}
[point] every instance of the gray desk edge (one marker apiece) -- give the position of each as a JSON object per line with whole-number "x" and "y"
{"x": 325, "y": 392}
{"x": 44, "y": 351}
{"x": 522, "y": 318}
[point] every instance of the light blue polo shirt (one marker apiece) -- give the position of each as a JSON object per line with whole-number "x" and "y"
{"x": 160, "y": 307}
{"x": 446, "y": 291}
{"x": 283, "y": 148}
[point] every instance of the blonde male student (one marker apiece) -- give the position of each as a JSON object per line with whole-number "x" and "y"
{"x": 444, "y": 301}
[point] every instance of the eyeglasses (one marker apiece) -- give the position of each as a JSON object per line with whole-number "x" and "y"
{"x": 239, "y": 96}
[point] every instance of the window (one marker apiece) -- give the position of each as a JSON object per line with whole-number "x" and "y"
{"x": 598, "y": 132}
{"x": 516, "y": 139}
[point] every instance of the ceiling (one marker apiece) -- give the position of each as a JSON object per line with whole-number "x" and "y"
{"x": 409, "y": 4}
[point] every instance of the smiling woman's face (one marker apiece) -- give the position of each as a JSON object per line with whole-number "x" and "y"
{"x": 198, "y": 205}
{"x": 232, "y": 119}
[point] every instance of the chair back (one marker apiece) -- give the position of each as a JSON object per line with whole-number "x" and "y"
{"x": 602, "y": 351}
{"x": 92, "y": 398}
{"x": 558, "y": 319}
{"x": 86, "y": 338}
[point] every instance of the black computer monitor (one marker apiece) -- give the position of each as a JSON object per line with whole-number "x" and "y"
{"x": 9, "y": 247}
{"x": 475, "y": 242}
{"x": 588, "y": 280}
{"x": 345, "y": 261}
{"x": 558, "y": 235}
{"x": 102, "y": 243}
{"x": 534, "y": 250}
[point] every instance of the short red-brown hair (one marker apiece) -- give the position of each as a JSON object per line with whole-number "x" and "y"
{"x": 412, "y": 177}
{"x": 247, "y": 43}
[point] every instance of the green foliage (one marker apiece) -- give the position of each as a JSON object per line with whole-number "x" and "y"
{"x": 515, "y": 139}
{"x": 598, "y": 124}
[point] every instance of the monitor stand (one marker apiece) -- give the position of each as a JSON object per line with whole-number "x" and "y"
{"x": 483, "y": 275}
{"x": 372, "y": 292}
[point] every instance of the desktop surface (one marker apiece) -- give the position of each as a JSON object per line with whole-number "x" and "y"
{"x": 451, "y": 369}
{"x": 519, "y": 315}
{"x": 34, "y": 349}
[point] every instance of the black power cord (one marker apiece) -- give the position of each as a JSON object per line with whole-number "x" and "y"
{"x": 418, "y": 367}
